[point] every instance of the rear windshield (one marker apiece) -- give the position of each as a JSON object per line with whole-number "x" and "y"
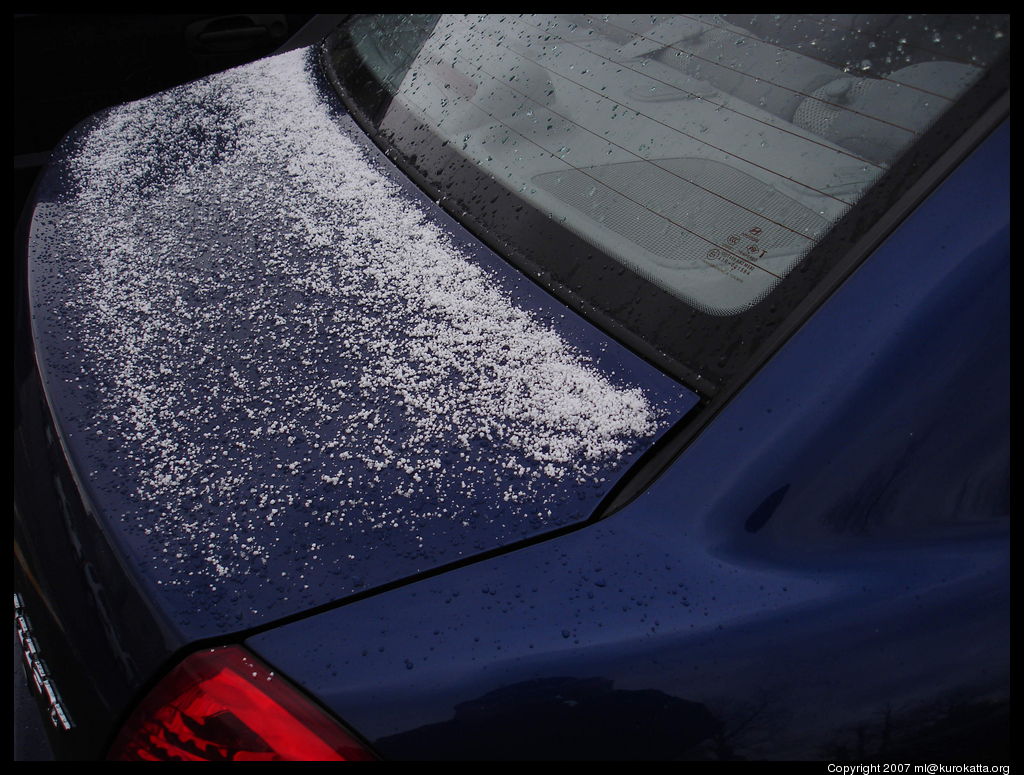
{"x": 667, "y": 172}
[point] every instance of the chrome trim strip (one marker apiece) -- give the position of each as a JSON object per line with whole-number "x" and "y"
{"x": 36, "y": 669}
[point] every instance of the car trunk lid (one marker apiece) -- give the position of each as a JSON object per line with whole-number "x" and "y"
{"x": 285, "y": 377}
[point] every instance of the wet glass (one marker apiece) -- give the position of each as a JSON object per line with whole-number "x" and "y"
{"x": 702, "y": 154}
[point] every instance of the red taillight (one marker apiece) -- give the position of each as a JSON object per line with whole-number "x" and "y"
{"x": 225, "y": 705}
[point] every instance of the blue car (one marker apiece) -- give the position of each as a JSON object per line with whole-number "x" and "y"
{"x": 594, "y": 387}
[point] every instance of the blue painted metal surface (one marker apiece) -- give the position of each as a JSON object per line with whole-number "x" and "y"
{"x": 823, "y": 573}
{"x": 347, "y": 559}
{"x": 108, "y": 622}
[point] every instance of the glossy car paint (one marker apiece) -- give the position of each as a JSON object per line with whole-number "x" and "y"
{"x": 822, "y": 574}
{"x": 719, "y": 600}
{"x": 129, "y": 619}
{"x": 349, "y": 561}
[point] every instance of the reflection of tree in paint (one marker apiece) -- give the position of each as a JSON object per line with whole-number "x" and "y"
{"x": 745, "y": 728}
{"x": 585, "y": 718}
{"x": 952, "y": 728}
{"x": 562, "y": 718}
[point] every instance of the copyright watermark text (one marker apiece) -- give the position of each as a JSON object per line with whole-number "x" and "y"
{"x": 928, "y": 769}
